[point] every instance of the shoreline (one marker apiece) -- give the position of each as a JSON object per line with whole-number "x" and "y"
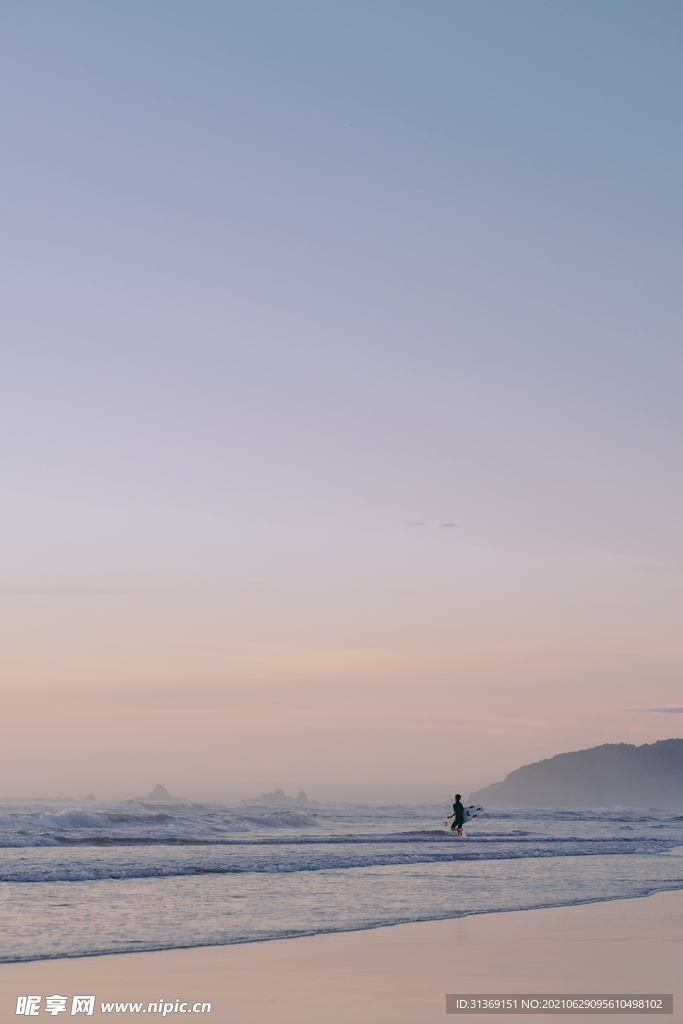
{"x": 334, "y": 931}
{"x": 397, "y": 973}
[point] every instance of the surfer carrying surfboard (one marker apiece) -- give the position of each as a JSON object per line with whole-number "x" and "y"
{"x": 459, "y": 812}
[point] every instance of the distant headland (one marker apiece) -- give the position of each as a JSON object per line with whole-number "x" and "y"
{"x": 614, "y": 774}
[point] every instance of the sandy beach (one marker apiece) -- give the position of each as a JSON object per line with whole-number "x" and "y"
{"x": 397, "y": 974}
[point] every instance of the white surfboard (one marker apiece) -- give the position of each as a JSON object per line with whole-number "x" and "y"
{"x": 468, "y": 813}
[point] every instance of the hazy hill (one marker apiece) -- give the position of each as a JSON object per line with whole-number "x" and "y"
{"x": 606, "y": 776}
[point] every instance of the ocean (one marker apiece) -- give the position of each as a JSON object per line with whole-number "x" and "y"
{"x": 92, "y": 878}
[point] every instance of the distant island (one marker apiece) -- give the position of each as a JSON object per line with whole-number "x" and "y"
{"x": 159, "y": 795}
{"x": 278, "y": 797}
{"x": 614, "y": 774}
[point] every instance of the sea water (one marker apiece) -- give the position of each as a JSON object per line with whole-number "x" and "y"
{"x": 103, "y": 878}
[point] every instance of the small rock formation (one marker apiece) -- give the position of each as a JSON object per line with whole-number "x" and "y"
{"x": 278, "y": 797}
{"x": 160, "y": 795}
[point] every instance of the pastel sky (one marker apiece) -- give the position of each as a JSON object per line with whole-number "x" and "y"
{"x": 340, "y": 392}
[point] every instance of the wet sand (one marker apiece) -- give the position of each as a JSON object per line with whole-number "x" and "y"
{"x": 397, "y": 974}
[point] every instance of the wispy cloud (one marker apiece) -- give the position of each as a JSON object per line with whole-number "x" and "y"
{"x": 447, "y": 524}
{"x": 415, "y": 522}
{"x": 666, "y": 711}
{"x": 68, "y": 590}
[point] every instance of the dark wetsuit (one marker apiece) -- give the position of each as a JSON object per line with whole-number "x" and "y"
{"x": 459, "y": 812}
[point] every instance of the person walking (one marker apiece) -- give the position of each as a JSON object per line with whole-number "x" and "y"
{"x": 459, "y": 815}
